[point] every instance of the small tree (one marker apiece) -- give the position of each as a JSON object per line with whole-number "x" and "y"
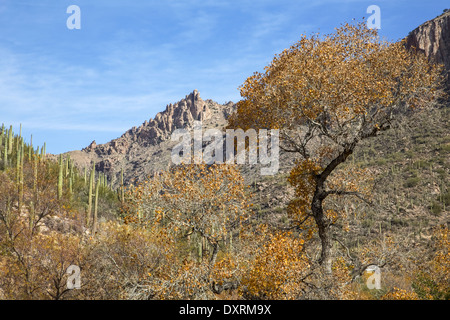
{"x": 326, "y": 94}
{"x": 200, "y": 206}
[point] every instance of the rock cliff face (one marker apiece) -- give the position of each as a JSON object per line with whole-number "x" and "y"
{"x": 143, "y": 150}
{"x": 179, "y": 115}
{"x": 433, "y": 38}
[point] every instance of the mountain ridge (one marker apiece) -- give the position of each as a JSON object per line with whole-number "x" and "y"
{"x": 136, "y": 150}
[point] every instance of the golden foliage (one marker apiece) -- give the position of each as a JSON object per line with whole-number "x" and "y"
{"x": 400, "y": 294}
{"x": 278, "y": 270}
{"x": 343, "y": 288}
{"x": 209, "y": 200}
{"x": 200, "y": 206}
{"x": 343, "y": 76}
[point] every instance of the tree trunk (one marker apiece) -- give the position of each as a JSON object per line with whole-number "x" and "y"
{"x": 325, "y": 255}
{"x": 323, "y": 224}
{"x": 324, "y": 229}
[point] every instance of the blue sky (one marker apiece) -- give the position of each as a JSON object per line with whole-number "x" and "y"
{"x": 131, "y": 58}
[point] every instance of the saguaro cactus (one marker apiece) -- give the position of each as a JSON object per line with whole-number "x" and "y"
{"x": 91, "y": 185}
{"x": 17, "y": 162}
{"x": 60, "y": 178}
{"x": 35, "y": 171}
{"x": 122, "y": 191}
{"x": 10, "y": 139}
{"x": 94, "y": 222}
{"x": 70, "y": 186}
{"x": 20, "y": 157}
{"x": 1, "y": 135}
{"x": 30, "y": 148}
{"x": 5, "y": 153}
{"x": 66, "y": 166}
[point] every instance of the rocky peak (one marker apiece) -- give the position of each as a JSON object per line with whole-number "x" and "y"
{"x": 146, "y": 148}
{"x": 433, "y": 38}
{"x": 179, "y": 115}
{"x": 182, "y": 114}
{"x": 91, "y": 147}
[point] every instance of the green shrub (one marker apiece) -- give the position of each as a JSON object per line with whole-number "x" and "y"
{"x": 435, "y": 208}
{"x": 412, "y": 182}
{"x": 446, "y": 198}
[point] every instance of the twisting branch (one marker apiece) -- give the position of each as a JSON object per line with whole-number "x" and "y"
{"x": 349, "y": 193}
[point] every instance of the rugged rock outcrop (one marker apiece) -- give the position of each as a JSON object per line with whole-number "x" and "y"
{"x": 433, "y": 38}
{"x": 179, "y": 115}
{"x": 143, "y": 150}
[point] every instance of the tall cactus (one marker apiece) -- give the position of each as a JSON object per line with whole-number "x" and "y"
{"x": 20, "y": 157}
{"x": 30, "y": 148}
{"x": 94, "y": 222}
{"x": 70, "y": 187}
{"x": 66, "y": 166}
{"x": 43, "y": 151}
{"x": 5, "y": 154}
{"x": 71, "y": 177}
{"x": 17, "y": 163}
{"x": 35, "y": 172}
{"x": 100, "y": 179}
{"x": 71, "y": 172}
{"x": 91, "y": 183}
{"x": 122, "y": 191}
{"x": 60, "y": 177}
{"x": 10, "y": 139}
{"x": 32, "y": 215}
{"x": 1, "y": 136}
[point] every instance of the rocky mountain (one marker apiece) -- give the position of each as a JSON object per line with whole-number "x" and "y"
{"x": 143, "y": 150}
{"x": 433, "y": 38}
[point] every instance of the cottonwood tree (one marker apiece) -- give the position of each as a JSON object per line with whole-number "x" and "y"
{"x": 326, "y": 94}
